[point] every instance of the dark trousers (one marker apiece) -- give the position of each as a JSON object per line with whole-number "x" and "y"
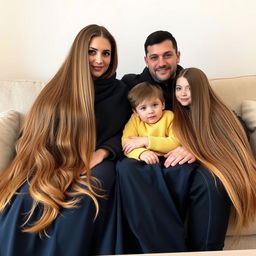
{"x": 181, "y": 208}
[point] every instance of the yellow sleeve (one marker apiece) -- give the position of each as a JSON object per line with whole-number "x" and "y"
{"x": 164, "y": 144}
{"x": 131, "y": 129}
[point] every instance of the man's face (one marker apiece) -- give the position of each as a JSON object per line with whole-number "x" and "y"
{"x": 162, "y": 60}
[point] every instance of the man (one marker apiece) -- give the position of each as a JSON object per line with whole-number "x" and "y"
{"x": 167, "y": 209}
{"x": 162, "y": 58}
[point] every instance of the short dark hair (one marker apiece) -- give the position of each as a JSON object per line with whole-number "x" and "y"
{"x": 158, "y": 37}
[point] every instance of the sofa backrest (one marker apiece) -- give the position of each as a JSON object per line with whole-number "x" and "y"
{"x": 233, "y": 91}
{"x": 18, "y": 95}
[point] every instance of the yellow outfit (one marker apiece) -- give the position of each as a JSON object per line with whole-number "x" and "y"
{"x": 160, "y": 136}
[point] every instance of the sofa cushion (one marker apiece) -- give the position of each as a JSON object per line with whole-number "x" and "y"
{"x": 248, "y": 113}
{"x": 9, "y": 132}
{"x": 250, "y": 230}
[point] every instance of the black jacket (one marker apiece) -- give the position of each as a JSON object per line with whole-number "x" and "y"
{"x": 112, "y": 111}
{"x": 132, "y": 79}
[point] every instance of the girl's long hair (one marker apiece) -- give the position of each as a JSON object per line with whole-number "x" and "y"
{"x": 211, "y": 131}
{"x": 58, "y": 138}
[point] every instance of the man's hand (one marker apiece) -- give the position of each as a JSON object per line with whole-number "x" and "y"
{"x": 134, "y": 142}
{"x": 179, "y": 155}
{"x": 149, "y": 157}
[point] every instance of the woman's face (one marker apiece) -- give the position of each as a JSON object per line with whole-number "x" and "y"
{"x": 99, "y": 56}
{"x": 182, "y": 91}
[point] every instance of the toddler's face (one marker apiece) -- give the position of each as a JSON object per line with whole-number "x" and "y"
{"x": 150, "y": 110}
{"x": 182, "y": 91}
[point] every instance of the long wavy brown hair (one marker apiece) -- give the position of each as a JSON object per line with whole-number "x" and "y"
{"x": 59, "y": 137}
{"x": 211, "y": 131}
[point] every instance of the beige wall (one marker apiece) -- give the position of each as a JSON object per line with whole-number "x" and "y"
{"x": 217, "y": 36}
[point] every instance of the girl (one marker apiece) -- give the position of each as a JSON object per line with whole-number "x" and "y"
{"x": 209, "y": 130}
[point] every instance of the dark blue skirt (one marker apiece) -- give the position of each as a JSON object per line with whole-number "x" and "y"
{"x": 74, "y": 232}
{"x": 149, "y": 209}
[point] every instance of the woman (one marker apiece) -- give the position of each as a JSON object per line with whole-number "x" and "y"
{"x": 208, "y": 129}
{"x": 57, "y": 194}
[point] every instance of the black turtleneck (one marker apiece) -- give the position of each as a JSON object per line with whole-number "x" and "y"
{"x": 132, "y": 79}
{"x": 112, "y": 111}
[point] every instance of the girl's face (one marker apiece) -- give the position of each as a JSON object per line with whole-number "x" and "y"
{"x": 99, "y": 56}
{"x": 150, "y": 110}
{"x": 182, "y": 91}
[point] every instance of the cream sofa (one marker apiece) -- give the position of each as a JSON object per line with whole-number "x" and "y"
{"x": 239, "y": 94}
{"x": 16, "y": 97}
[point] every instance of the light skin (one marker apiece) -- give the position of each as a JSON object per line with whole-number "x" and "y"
{"x": 99, "y": 60}
{"x": 98, "y": 156}
{"x": 162, "y": 61}
{"x": 99, "y": 56}
{"x": 179, "y": 155}
{"x": 183, "y": 95}
{"x": 182, "y": 91}
{"x": 149, "y": 111}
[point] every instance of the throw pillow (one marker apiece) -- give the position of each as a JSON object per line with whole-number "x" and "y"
{"x": 253, "y": 144}
{"x": 248, "y": 110}
{"x": 9, "y": 132}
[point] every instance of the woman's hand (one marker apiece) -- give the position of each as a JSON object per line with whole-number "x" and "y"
{"x": 179, "y": 155}
{"x": 134, "y": 142}
{"x": 98, "y": 156}
{"x": 149, "y": 157}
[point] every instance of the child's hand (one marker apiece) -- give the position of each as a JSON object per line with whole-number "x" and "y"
{"x": 149, "y": 157}
{"x": 134, "y": 142}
